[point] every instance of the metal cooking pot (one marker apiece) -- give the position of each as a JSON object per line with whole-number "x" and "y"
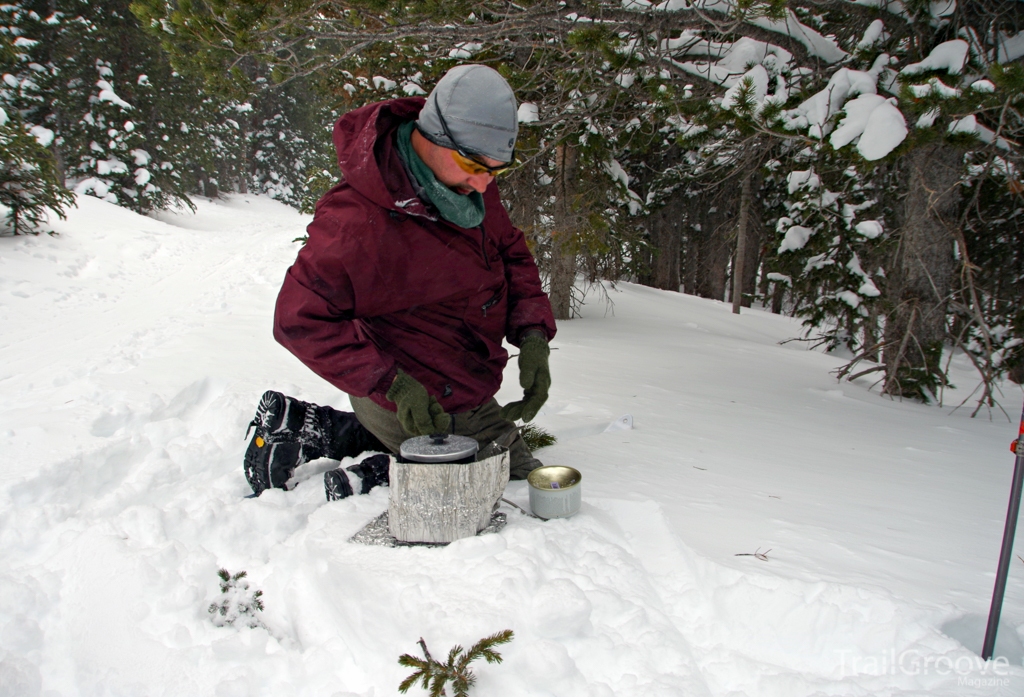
{"x": 439, "y": 447}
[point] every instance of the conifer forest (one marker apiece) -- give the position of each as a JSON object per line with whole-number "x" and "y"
{"x": 854, "y": 163}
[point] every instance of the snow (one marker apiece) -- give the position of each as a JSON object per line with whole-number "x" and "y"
{"x": 849, "y": 297}
{"x": 756, "y": 79}
{"x": 942, "y": 8}
{"x": 731, "y": 59}
{"x": 1011, "y": 47}
{"x": 817, "y": 45}
{"x": 872, "y": 34}
{"x": 107, "y": 94}
{"x": 856, "y": 120}
{"x": 983, "y": 86}
{"x": 141, "y": 157}
{"x": 815, "y": 112}
{"x": 935, "y": 86}
{"x": 892, "y": 6}
{"x": 874, "y": 122}
{"x": 969, "y": 125}
{"x": 616, "y": 172}
{"x": 884, "y": 131}
{"x": 96, "y": 187}
{"x": 43, "y": 135}
{"x": 796, "y": 237}
{"x": 869, "y": 228}
{"x": 798, "y": 179}
{"x": 465, "y": 50}
{"x": 949, "y": 56}
{"x": 134, "y": 351}
{"x": 927, "y": 119}
{"x": 625, "y": 79}
{"x": 111, "y": 165}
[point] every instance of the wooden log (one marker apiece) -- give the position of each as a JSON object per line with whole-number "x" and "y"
{"x": 444, "y": 502}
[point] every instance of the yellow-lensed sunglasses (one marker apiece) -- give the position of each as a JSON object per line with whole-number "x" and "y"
{"x": 467, "y": 161}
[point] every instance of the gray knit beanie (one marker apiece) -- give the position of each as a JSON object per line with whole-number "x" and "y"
{"x": 479, "y": 109}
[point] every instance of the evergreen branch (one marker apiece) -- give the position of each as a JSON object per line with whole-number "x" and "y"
{"x": 410, "y": 661}
{"x": 462, "y": 683}
{"x": 484, "y": 647}
{"x": 426, "y": 651}
{"x": 409, "y": 681}
{"x": 434, "y": 676}
{"x": 453, "y": 655}
{"x": 437, "y": 687}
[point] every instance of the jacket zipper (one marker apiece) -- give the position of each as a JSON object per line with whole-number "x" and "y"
{"x": 483, "y": 247}
{"x": 492, "y": 302}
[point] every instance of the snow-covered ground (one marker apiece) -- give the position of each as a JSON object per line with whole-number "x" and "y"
{"x": 133, "y": 351}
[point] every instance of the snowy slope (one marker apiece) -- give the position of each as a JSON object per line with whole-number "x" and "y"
{"x": 133, "y": 352}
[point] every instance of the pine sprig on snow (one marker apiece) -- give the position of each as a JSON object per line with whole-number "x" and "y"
{"x": 536, "y": 437}
{"x": 433, "y": 675}
{"x": 236, "y": 602}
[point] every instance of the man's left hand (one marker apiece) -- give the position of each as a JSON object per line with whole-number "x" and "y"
{"x": 534, "y": 378}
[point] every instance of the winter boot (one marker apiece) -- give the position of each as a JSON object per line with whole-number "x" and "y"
{"x": 336, "y": 485}
{"x": 371, "y": 472}
{"x": 332, "y": 433}
{"x": 275, "y": 451}
{"x": 270, "y": 465}
{"x": 318, "y": 431}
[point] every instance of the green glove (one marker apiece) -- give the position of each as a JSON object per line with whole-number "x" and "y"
{"x": 534, "y": 378}
{"x": 419, "y": 413}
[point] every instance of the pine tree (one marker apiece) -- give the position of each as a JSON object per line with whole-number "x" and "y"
{"x": 93, "y": 79}
{"x": 29, "y": 183}
{"x": 30, "y": 178}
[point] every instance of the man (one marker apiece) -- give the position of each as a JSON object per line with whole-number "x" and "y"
{"x": 411, "y": 277}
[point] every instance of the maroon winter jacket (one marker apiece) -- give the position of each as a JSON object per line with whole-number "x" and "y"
{"x": 385, "y": 283}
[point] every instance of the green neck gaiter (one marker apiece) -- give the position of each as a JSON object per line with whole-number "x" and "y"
{"x": 464, "y": 210}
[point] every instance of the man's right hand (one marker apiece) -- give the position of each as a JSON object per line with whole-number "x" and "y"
{"x": 419, "y": 413}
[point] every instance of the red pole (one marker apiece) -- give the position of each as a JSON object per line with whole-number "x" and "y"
{"x": 1006, "y": 554}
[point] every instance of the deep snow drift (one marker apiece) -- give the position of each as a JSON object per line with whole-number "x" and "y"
{"x": 132, "y": 354}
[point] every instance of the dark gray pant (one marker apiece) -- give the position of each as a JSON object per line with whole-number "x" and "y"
{"x": 483, "y": 424}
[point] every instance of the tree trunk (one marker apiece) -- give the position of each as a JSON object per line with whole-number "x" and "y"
{"x": 664, "y": 227}
{"x": 921, "y": 275}
{"x": 755, "y": 246}
{"x": 741, "y": 244}
{"x": 708, "y": 248}
{"x": 563, "y": 253}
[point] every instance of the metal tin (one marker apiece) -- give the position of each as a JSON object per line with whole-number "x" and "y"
{"x": 555, "y": 491}
{"x": 438, "y": 448}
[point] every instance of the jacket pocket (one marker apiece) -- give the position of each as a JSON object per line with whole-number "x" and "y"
{"x": 486, "y": 314}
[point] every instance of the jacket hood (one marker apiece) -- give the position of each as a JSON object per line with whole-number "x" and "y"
{"x": 367, "y": 156}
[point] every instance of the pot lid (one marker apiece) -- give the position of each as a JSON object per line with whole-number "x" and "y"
{"x": 438, "y": 448}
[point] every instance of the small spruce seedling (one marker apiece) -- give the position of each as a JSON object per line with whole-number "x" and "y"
{"x": 434, "y": 675}
{"x": 236, "y": 602}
